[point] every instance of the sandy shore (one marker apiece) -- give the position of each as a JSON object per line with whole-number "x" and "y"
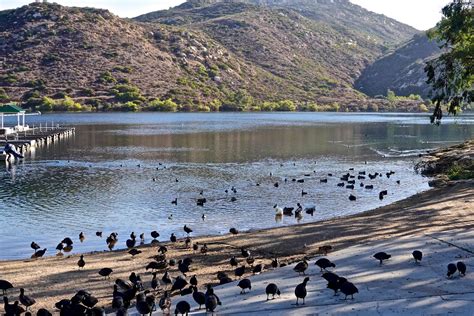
{"x": 50, "y": 279}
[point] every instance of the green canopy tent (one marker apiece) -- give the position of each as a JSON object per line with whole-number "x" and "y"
{"x": 11, "y": 109}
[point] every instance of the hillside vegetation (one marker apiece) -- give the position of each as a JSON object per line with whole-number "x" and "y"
{"x": 204, "y": 55}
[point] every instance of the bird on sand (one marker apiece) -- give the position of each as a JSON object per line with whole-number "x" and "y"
{"x": 417, "y": 255}
{"x": 35, "y": 246}
{"x": 451, "y": 270}
{"x": 272, "y": 289}
{"x": 461, "y": 268}
{"x": 300, "y": 291}
{"x": 348, "y": 288}
{"x": 39, "y": 253}
{"x": 5, "y": 286}
{"x": 301, "y": 267}
{"x": 381, "y": 256}
{"x": 244, "y": 284}
{"x": 324, "y": 263}
{"x": 105, "y": 272}
{"x": 26, "y": 300}
{"x": 81, "y": 262}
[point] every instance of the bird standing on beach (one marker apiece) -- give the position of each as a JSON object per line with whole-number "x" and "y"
{"x": 324, "y": 263}
{"x": 35, "y": 246}
{"x": 301, "y": 267}
{"x": 81, "y": 263}
{"x": 39, "y": 253}
{"x": 244, "y": 284}
{"x": 26, "y": 300}
{"x": 417, "y": 255}
{"x": 300, "y": 291}
{"x": 272, "y": 289}
{"x": 381, "y": 256}
{"x": 451, "y": 270}
{"x": 348, "y": 288}
{"x": 461, "y": 268}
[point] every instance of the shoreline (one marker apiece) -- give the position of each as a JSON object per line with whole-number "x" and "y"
{"x": 53, "y": 278}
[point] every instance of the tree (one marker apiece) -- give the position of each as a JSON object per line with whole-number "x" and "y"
{"x": 451, "y": 75}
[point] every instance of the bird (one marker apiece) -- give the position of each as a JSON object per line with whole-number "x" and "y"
{"x": 381, "y": 256}
{"x": 300, "y": 291}
{"x": 43, "y": 312}
{"x": 131, "y": 243}
{"x": 154, "y": 265}
{"x": 195, "y": 247}
{"x": 275, "y": 263}
{"x": 187, "y": 230}
{"x": 39, "y": 253}
{"x": 98, "y": 234}
{"x": 204, "y": 249}
{"x": 303, "y": 193}
{"x": 348, "y": 288}
{"x": 134, "y": 252}
{"x": 142, "y": 305}
{"x": 166, "y": 279}
{"x": 182, "y": 308}
{"x": 239, "y": 271}
{"x": 81, "y": 263}
{"x": 272, "y": 289}
{"x": 179, "y": 284}
{"x": 173, "y": 238}
{"x": 233, "y": 231}
{"x": 81, "y": 236}
{"x": 105, "y": 272}
{"x": 451, "y": 270}
{"x": 352, "y": 197}
{"x": 26, "y": 300}
{"x": 278, "y": 210}
{"x": 142, "y": 238}
{"x": 324, "y": 263}
{"x": 325, "y": 249}
{"x": 233, "y": 262}
{"x": 175, "y": 201}
{"x": 257, "y": 269}
{"x": 155, "y": 234}
{"x": 193, "y": 281}
{"x": 244, "y": 284}
{"x": 417, "y": 255}
{"x": 5, "y": 286}
{"x": 199, "y": 297}
{"x": 301, "y": 267}
{"x": 310, "y": 210}
{"x": 211, "y": 299}
{"x": 34, "y": 246}
{"x": 245, "y": 253}
{"x": 12, "y": 309}
{"x": 165, "y": 302}
{"x": 67, "y": 241}
{"x": 461, "y": 268}
{"x": 288, "y": 211}
{"x": 183, "y": 267}
{"x": 250, "y": 260}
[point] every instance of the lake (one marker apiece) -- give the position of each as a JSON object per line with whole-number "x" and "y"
{"x": 120, "y": 172}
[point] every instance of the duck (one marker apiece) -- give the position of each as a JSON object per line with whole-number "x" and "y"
{"x": 154, "y": 282}
{"x": 288, "y": 211}
{"x": 193, "y": 281}
{"x": 325, "y": 249}
{"x": 461, "y": 268}
{"x": 35, "y": 246}
{"x": 233, "y": 262}
{"x": 134, "y": 251}
{"x": 211, "y": 300}
{"x": 352, "y": 197}
{"x": 278, "y": 210}
{"x": 300, "y": 291}
{"x": 182, "y": 308}
{"x": 348, "y": 288}
{"x": 258, "y": 269}
{"x": 166, "y": 279}
{"x": 245, "y": 253}
{"x": 82, "y": 237}
{"x": 165, "y": 302}
{"x": 130, "y": 243}
{"x": 310, "y": 210}
{"x": 26, "y": 300}
{"x": 5, "y": 286}
{"x": 179, "y": 284}
{"x": 244, "y": 284}
{"x": 142, "y": 306}
{"x": 105, "y": 272}
{"x": 12, "y": 309}
{"x": 417, "y": 255}
{"x": 199, "y": 297}
{"x": 233, "y": 231}
{"x": 154, "y": 234}
{"x": 173, "y": 238}
{"x": 324, "y": 263}
{"x": 239, "y": 272}
{"x": 301, "y": 267}
{"x": 272, "y": 289}
{"x": 204, "y": 249}
{"x": 303, "y": 193}
{"x": 187, "y": 230}
{"x": 381, "y": 256}
{"x": 81, "y": 262}
{"x": 39, "y": 253}
{"x": 175, "y": 201}
{"x": 98, "y": 234}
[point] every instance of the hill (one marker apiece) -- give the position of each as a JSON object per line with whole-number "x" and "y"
{"x": 202, "y": 55}
{"x": 401, "y": 70}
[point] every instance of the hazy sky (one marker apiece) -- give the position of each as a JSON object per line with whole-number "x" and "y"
{"x": 421, "y": 14}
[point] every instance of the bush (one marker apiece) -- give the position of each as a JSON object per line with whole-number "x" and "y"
{"x": 130, "y": 107}
{"x": 163, "y": 106}
{"x": 459, "y": 173}
{"x": 124, "y": 69}
{"x": 268, "y": 106}
{"x": 106, "y": 77}
{"x": 67, "y": 104}
{"x": 423, "y": 108}
{"x": 38, "y": 84}
{"x": 46, "y": 104}
{"x": 285, "y": 106}
{"x": 3, "y": 95}
{"x": 8, "y": 79}
{"x": 126, "y": 93}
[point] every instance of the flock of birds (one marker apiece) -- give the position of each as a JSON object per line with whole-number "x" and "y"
{"x": 158, "y": 293}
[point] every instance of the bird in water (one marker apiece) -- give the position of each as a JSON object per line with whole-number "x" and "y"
{"x": 417, "y": 255}
{"x": 233, "y": 231}
{"x": 154, "y": 234}
{"x": 278, "y": 210}
{"x": 26, "y": 300}
{"x": 300, "y": 291}
{"x": 35, "y": 246}
{"x": 381, "y": 256}
{"x": 244, "y": 284}
{"x": 272, "y": 289}
{"x": 187, "y": 230}
{"x": 98, "y": 234}
{"x": 352, "y": 197}
{"x": 82, "y": 237}
{"x": 81, "y": 262}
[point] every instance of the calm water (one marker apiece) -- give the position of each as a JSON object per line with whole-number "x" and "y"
{"x": 118, "y": 173}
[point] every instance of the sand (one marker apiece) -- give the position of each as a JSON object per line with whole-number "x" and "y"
{"x": 53, "y": 278}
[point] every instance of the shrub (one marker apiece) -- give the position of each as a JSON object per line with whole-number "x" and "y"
{"x": 130, "y": 106}
{"x": 126, "y": 93}
{"x": 215, "y": 105}
{"x": 106, "y": 77}
{"x": 59, "y": 95}
{"x": 285, "y": 105}
{"x": 373, "y": 107}
{"x": 423, "y": 108}
{"x": 124, "y": 69}
{"x": 8, "y": 79}
{"x": 163, "y": 106}
{"x": 67, "y": 104}
{"x": 46, "y": 104}
{"x": 268, "y": 106}
{"x": 457, "y": 172}
{"x": 3, "y": 95}
{"x": 38, "y": 84}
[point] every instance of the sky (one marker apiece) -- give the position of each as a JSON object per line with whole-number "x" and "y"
{"x": 421, "y": 14}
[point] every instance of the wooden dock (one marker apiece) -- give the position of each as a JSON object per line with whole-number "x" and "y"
{"x": 36, "y": 137}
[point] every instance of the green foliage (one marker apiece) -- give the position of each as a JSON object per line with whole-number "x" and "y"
{"x": 106, "y": 77}
{"x": 3, "y": 95}
{"x": 47, "y": 104}
{"x": 238, "y": 101}
{"x": 423, "y": 108}
{"x": 126, "y": 93}
{"x": 130, "y": 107}
{"x": 124, "y": 69}
{"x": 38, "y": 84}
{"x": 8, "y": 79}
{"x": 163, "y": 106}
{"x": 457, "y": 172}
{"x": 451, "y": 75}
{"x": 392, "y": 97}
{"x": 285, "y": 106}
